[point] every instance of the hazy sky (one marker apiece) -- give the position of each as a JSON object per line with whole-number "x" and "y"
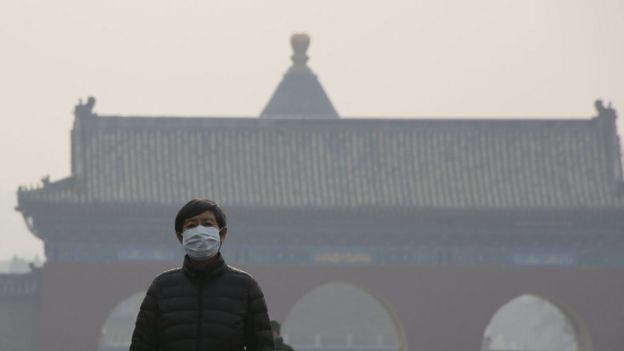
{"x": 398, "y": 58}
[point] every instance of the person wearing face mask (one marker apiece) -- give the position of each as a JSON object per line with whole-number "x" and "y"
{"x": 205, "y": 304}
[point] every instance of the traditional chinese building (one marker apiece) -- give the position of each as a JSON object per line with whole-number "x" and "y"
{"x": 439, "y": 208}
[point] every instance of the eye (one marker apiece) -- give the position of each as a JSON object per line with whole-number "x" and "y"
{"x": 190, "y": 225}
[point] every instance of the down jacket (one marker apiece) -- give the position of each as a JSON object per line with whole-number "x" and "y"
{"x": 218, "y": 308}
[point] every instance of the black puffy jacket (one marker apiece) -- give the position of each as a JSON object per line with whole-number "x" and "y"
{"x": 280, "y": 346}
{"x": 218, "y": 308}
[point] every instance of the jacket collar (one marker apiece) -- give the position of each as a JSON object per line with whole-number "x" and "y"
{"x": 212, "y": 270}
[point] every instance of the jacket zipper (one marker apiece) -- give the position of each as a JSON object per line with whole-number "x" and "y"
{"x": 200, "y": 314}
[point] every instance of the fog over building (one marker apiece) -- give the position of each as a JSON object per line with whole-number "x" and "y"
{"x": 414, "y": 213}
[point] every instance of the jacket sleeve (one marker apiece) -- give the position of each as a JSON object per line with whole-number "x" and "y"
{"x": 145, "y": 335}
{"x": 258, "y": 332}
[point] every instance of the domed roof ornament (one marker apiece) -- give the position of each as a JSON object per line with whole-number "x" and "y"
{"x": 299, "y": 95}
{"x": 300, "y": 42}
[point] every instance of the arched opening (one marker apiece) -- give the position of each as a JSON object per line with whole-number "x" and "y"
{"x": 531, "y": 323}
{"x": 117, "y": 330}
{"x": 339, "y": 316}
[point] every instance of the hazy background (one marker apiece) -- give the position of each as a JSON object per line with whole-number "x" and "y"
{"x": 381, "y": 58}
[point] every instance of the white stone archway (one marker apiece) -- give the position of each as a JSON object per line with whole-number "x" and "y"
{"x": 533, "y": 323}
{"x": 340, "y": 316}
{"x": 117, "y": 330}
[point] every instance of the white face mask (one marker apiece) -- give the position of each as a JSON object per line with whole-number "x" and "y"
{"x": 201, "y": 242}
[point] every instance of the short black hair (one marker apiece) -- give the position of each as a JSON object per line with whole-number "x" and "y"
{"x": 198, "y": 206}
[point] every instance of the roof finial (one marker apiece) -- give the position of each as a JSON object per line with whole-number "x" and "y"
{"x": 299, "y": 95}
{"x": 300, "y": 43}
{"x": 85, "y": 110}
{"x": 605, "y": 112}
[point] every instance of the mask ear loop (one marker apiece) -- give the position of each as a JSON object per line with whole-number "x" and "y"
{"x": 220, "y": 241}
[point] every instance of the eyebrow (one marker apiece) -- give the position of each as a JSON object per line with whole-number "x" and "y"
{"x": 200, "y": 220}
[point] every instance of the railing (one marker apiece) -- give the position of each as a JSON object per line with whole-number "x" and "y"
{"x": 350, "y": 344}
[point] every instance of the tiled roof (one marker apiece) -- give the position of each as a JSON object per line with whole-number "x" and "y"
{"x": 419, "y": 163}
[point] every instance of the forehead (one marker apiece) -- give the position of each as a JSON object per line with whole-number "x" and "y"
{"x": 204, "y": 216}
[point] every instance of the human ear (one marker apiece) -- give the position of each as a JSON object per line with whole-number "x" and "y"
{"x": 223, "y": 234}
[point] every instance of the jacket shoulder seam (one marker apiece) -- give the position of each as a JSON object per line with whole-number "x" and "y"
{"x": 239, "y": 272}
{"x": 167, "y": 273}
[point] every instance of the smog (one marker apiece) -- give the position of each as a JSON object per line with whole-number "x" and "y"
{"x": 311, "y": 176}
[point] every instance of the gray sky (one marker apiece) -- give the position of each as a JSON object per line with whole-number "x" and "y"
{"x": 399, "y": 58}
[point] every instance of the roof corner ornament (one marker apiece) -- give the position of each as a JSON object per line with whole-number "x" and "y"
{"x": 85, "y": 110}
{"x": 45, "y": 180}
{"x": 34, "y": 269}
{"x": 605, "y": 112}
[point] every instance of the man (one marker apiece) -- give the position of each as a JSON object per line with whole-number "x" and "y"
{"x": 277, "y": 337}
{"x": 205, "y": 304}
